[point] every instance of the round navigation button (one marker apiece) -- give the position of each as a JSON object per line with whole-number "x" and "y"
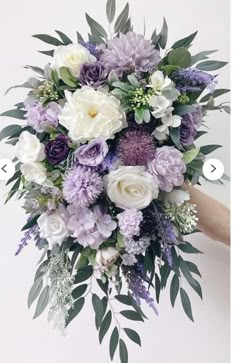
{"x": 213, "y": 169}
{"x": 7, "y": 169}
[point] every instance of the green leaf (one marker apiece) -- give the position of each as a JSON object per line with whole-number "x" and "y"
{"x": 65, "y": 39}
{"x": 105, "y": 326}
{"x": 193, "y": 268}
{"x": 95, "y": 27}
{"x": 48, "y": 39}
{"x": 133, "y": 336}
{"x": 13, "y": 190}
{"x": 187, "y": 274}
{"x": 123, "y": 352}
{"x": 188, "y": 248}
{"x": 9, "y": 131}
{"x": 15, "y": 176}
{"x": 157, "y": 287}
{"x": 163, "y": 34}
{"x": 133, "y": 80}
{"x": 179, "y": 57}
{"x": 54, "y": 77}
{"x": 174, "y": 289}
{"x": 168, "y": 69}
{"x": 79, "y": 291}
{"x": 78, "y": 306}
{"x": 186, "y": 303}
{"x": 103, "y": 285}
{"x": 200, "y": 56}
{"x": 42, "y": 301}
{"x": 226, "y": 108}
{"x": 131, "y": 315}
{"x": 183, "y": 109}
{"x": 190, "y": 155}
{"x": 31, "y": 223}
{"x": 210, "y": 65}
{"x": 114, "y": 342}
{"x": 185, "y": 42}
{"x": 139, "y": 114}
{"x": 122, "y": 18}
{"x": 98, "y": 308}
{"x": 67, "y": 77}
{"x": 165, "y": 272}
{"x": 36, "y": 69}
{"x": 209, "y": 149}
{"x": 200, "y": 133}
{"x": 16, "y": 113}
{"x": 83, "y": 274}
{"x": 50, "y": 53}
{"x": 123, "y": 86}
{"x": 111, "y": 10}
{"x": 124, "y": 299}
{"x": 23, "y": 85}
{"x": 35, "y": 291}
{"x": 175, "y": 136}
{"x": 217, "y": 93}
{"x": 79, "y": 37}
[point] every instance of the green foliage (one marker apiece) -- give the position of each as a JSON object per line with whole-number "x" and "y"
{"x": 43, "y": 301}
{"x": 187, "y": 274}
{"x": 188, "y": 248}
{"x": 78, "y": 306}
{"x": 211, "y": 65}
{"x": 67, "y": 77}
{"x": 217, "y": 93}
{"x": 205, "y": 150}
{"x": 35, "y": 291}
{"x": 114, "y": 342}
{"x": 131, "y": 315}
{"x": 111, "y": 10}
{"x": 186, "y": 303}
{"x": 8, "y": 131}
{"x": 79, "y": 291}
{"x": 105, "y": 325}
{"x": 83, "y": 274}
{"x": 200, "y": 56}
{"x": 98, "y": 309}
{"x": 174, "y": 289}
{"x": 157, "y": 288}
{"x": 133, "y": 336}
{"x": 48, "y": 39}
{"x": 123, "y": 352}
{"x": 96, "y": 29}
{"x": 30, "y": 223}
{"x": 165, "y": 272}
{"x": 180, "y": 57}
{"x": 122, "y": 19}
{"x": 163, "y": 36}
{"x": 64, "y": 38}
{"x": 15, "y": 113}
{"x": 185, "y": 42}
{"x": 190, "y": 155}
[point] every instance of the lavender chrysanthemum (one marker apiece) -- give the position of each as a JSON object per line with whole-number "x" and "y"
{"x": 168, "y": 168}
{"x": 136, "y": 148}
{"x": 130, "y": 53}
{"x": 82, "y": 186}
{"x": 193, "y": 80}
{"x": 129, "y": 222}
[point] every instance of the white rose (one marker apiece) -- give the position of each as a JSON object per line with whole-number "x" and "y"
{"x": 159, "y": 82}
{"x": 29, "y": 149}
{"x": 91, "y": 114}
{"x": 106, "y": 257}
{"x": 53, "y": 227}
{"x": 34, "y": 172}
{"x": 71, "y": 56}
{"x": 131, "y": 187}
{"x": 160, "y": 105}
{"x": 176, "y": 196}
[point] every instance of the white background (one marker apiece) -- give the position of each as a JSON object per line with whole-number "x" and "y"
{"x": 169, "y": 337}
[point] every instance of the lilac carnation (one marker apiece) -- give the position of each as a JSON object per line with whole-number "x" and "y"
{"x": 90, "y": 228}
{"x": 82, "y": 186}
{"x": 167, "y": 168}
{"x": 40, "y": 117}
{"x": 130, "y": 53}
{"x": 136, "y": 148}
{"x": 92, "y": 154}
{"x": 193, "y": 80}
{"x": 93, "y": 74}
{"x": 129, "y": 222}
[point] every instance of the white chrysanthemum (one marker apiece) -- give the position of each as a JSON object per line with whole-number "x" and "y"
{"x": 90, "y": 114}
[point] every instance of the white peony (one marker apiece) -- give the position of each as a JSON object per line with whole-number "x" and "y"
{"x": 106, "y": 257}
{"x": 34, "y": 172}
{"x": 53, "y": 227}
{"x": 176, "y": 196}
{"x": 90, "y": 114}
{"x": 160, "y": 105}
{"x": 72, "y": 56}
{"x": 159, "y": 81}
{"x": 131, "y": 187}
{"x": 29, "y": 149}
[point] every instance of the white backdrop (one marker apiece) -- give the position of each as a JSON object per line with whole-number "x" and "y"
{"x": 171, "y": 337}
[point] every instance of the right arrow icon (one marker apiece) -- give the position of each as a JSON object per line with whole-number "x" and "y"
{"x": 213, "y": 168}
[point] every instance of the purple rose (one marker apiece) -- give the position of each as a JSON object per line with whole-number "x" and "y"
{"x": 92, "y": 154}
{"x": 57, "y": 150}
{"x": 189, "y": 125}
{"x": 93, "y": 74}
{"x": 167, "y": 168}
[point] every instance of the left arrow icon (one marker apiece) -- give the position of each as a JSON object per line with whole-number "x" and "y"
{"x": 7, "y": 169}
{"x": 3, "y": 168}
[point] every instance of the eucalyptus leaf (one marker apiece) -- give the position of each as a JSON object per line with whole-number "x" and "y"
{"x": 114, "y": 342}
{"x": 103, "y": 285}
{"x": 50, "y": 53}
{"x": 186, "y": 303}
{"x": 65, "y": 39}
{"x": 79, "y": 37}
{"x": 207, "y": 149}
{"x": 200, "y": 133}
{"x": 187, "y": 274}
{"x": 190, "y": 155}
{"x": 226, "y": 108}
{"x": 157, "y": 288}
{"x": 217, "y": 93}
{"x": 165, "y": 272}
{"x": 175, "y": 136}
{"x": 43, "y": 301}
{"x": 83, "y": 274}
{"x": 15, "y": 113}
{"x": 72, "y": 313}
{"x": 95, "y": 27}
{"x": 179, "y": 57}
{"x": 105, "y": 326}
{"x": 14, "y": 177}
{"x": 174, "y": 289}
{"x": 79, "y": 291}
{"x": 67, "y": 77}
{"x": 13, "y": 190}
{"x": 23, "y": 85}
{"x": 48, "y": 39}
{"x": 36, "y": 69}
{"x": 30, "y": 223}
{"x": 185, "y": 42}
{"x": 163, "y": 34}
{"x": 133, "y": 336}
{"x": 124, "y": 299}
{"x": 193, "y": 268}
{"x": 188, "y": 248}
{"x": 211, "y": 65}
{"x": 9, "y": 131}
{"x": 98, "y": 308}
{"x": 200, "y": 56}
{"x": 131, "y": 315}
{"x": 123, "y": 352}
{"x": 122, "y": 18}
{"x": 35, "y": 291}
{"x": 111, "y": 10}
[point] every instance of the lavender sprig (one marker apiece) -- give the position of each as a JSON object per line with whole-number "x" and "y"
{"x": 26, "y": 238}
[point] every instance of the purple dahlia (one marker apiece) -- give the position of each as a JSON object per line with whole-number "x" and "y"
{"x": 130, "y": 53}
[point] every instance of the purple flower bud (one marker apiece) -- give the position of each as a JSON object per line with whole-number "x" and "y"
{"x": 93, "y": 74}
{"x": 57, "y": 150}
{"x": 92, "y": 154}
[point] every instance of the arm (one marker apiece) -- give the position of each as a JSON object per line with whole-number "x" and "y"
{"x": 214, "y": 217}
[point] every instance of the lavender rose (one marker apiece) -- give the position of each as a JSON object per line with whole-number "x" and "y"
{"x": 93, "y": 74}
{"x": 167, "y": 168}
{"x": 189, "y": 125}
{"x": 92, "y": 154}
{"x": 57, "y": 150}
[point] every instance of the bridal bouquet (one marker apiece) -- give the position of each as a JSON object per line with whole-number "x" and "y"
{"x": 107, "y": 141}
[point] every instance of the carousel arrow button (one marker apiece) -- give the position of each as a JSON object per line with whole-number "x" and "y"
{"x": 213, "y": 169}
{"x": 7, "y": 169}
